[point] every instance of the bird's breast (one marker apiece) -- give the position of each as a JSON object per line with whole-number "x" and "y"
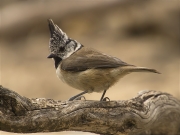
{"x": 60, "y": 75}
{"x": 91, "y": 80}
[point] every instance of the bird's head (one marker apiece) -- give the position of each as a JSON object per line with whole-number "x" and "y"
{"x": 61, "y": 46}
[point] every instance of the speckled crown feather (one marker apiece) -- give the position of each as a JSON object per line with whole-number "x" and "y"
{"x": 58, "y": 38}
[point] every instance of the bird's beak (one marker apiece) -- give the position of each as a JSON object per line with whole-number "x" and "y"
{"x": 52, "y": 56}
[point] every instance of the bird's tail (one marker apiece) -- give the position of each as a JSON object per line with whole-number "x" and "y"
{"x": 139, "y": 69}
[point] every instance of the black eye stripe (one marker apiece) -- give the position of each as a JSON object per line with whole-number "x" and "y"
{"x": 67, "y": 42}
{"x": 75, "y": 45}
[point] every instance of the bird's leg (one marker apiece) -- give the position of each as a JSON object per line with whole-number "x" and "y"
{"x": 102, "y": 97}
{"x": 76, "y": 96}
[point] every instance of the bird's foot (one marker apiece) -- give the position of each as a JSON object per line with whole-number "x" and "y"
{"x": 80, "y": 98}
{"x": 77, "y": 98}
{"x": 105, "y": 99}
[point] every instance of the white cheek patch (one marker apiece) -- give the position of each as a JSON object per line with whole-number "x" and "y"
{"x": 71, "y": 50}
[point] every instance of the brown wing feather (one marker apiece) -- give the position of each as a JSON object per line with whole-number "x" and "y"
{"x": 87, "y": 58}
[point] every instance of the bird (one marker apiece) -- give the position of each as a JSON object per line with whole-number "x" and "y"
{"x": 85, "y": 68}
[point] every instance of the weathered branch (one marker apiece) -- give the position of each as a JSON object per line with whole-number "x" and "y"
{"x": 151, "y": 112}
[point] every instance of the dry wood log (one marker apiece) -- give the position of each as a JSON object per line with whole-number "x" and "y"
{"x": 150, "y": 113}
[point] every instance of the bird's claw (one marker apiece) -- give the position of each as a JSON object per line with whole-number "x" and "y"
{"x": 80, "y": 98}
{"x": 106, "y": 99}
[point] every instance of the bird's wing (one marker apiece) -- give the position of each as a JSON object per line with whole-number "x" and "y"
{"x": 86, "y": 58}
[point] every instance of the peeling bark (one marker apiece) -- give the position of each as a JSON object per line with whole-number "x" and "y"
{"x": 150, "y": 113}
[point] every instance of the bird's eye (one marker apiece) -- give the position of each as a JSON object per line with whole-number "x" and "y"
{"x": 61, "y": 49}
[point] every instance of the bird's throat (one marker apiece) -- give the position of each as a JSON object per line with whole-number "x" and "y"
{"x": 57, "y": 61}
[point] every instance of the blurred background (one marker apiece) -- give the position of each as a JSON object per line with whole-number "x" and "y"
{"x": 140, "y": 32}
